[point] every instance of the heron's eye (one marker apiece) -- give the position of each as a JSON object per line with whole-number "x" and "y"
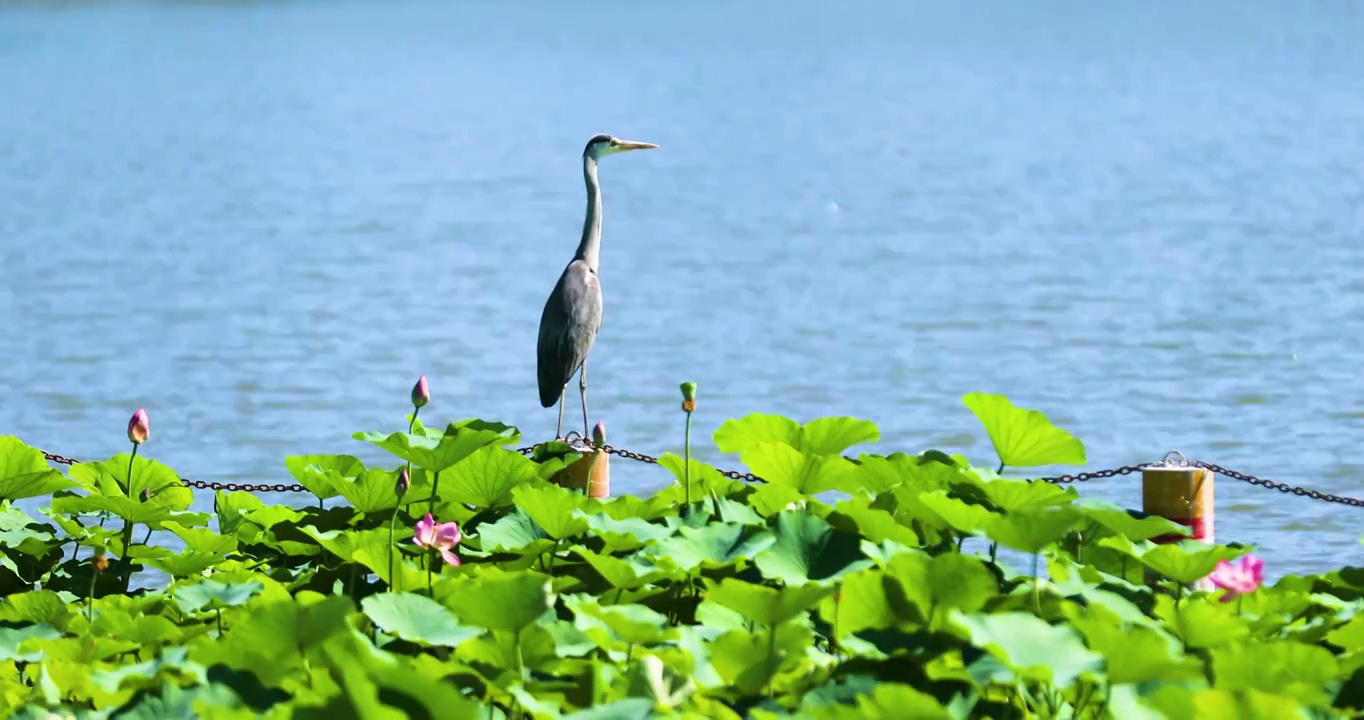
{"x": 615, "y": 141}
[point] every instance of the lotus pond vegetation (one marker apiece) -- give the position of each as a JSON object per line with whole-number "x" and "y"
{"x": 459, "y": 580}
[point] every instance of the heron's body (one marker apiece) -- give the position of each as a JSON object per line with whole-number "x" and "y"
{"x": 572, "y": 314}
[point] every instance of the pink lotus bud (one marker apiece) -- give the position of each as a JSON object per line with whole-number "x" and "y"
{"x": 404, "y": 482}
{"x": 599, "y": 434}
{"x": 421, "y": 394}
{"x": 139, "y": 427}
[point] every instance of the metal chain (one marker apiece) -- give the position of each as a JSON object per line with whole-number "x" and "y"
{"x": 1281, "y": 487}
{"x": 202, "y": 484}
{"x": 750, "y": 477}
{"x": 1087, "y": 476}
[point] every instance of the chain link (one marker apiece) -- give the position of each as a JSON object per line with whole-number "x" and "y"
{"x": 202, "y": 484}
{"x": 750, "y": 477}
{"x": 1087, "y": 476}
{"x": 1281, "y": 487}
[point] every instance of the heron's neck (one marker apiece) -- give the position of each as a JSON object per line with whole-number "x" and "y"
{"x": 589, "y": 250}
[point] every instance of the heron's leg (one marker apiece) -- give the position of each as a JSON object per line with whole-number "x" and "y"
{"x": 582, "y": 389}
{"x": 559, "y": 430}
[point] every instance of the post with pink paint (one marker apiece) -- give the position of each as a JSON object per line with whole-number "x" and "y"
{"x": 1183, "y": 494}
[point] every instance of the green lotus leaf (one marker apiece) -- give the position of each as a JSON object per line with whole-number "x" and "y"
{"x": 438, "y": 454}
{"x": 1200, "y": 622}
{"x": 319, "y": 474}
{"x": 1129, "y": 523}
{"x": 1024, "y": 495}
{"x": 110, "y": 478}
{"x": 13, "y": 639}
{"x": 712, "y": 546}
{"x": 886, "y": 701}
{"x": 207, "y": 594}
{"x": 626, "y": 507}
{"x": 416, "y": 618}
{"x": 1029, "y": 645}
{"x": 1282, "y": 667}
{"x": 372, "y": 491}
{"x": 633, "y": 708}
{"x": 505, "y": 601}
{"x": 823, "y": 436}
{"x": 623, "y": 573}
{"x": 1184, "y": 561}
{"x": 171, "y": 661}
{"x": 860, "y": 603}
{"x": 938, "y": 584}
{"x": 834, "y": 435}
{"x": 145, "y": 630}
{"x": 856, "y": 515}
{"x": 380, "y": 685}
{"x": 806, "y": 473}
{"x": 186, "y": 564}
{"x": 1023, "y": 438}
{"x": 741, "y": 434}
{"x": 371, "y": 548}
{"x": 202, "y": 539}
{"x": 554, "y": 509}
{"x": 705, "y": 480}
{"x": 141, "y": 513}
{"x": 1135, "y": 654}
{"x": 1032, "y": 531}
{"x": 809, "y": 549}
{"x": 630, "y": 624}
{"x": 1245, "y": 704}
{"x": 485, "y": 478}
{"x": 38, "y": 606}
{"x": 515, "y": 532}
{"x": 947, "y": 512}
{"x": 773, "y": 498}
{"x": 24, "y": 471}
{"x": 765, "y": 605}
{"x": 627, "y": 534}
{"x": 748, "y": 661}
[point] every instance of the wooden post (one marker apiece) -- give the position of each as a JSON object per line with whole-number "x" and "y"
{"x": 575, "y": 475}
{"x": 1182, "y": 494}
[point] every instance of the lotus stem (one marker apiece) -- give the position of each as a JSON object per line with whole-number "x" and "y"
{"x": 686, "y": 461}
{"x": 128, "y": 526}
{"x": 90, "y": 599}
{"x": 392, "y": 550}
{"x": 435, "y": 490}
{"x": 1036, "y": 584}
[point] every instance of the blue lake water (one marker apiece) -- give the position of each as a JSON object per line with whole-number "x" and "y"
{"x": 263, "y": 220}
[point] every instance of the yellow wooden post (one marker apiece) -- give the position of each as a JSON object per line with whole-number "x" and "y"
{"x": 575, "y": 475}
{"x": 1183, "y": 494}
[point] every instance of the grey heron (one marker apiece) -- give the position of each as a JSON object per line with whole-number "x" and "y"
{"x": 572, "y": 314}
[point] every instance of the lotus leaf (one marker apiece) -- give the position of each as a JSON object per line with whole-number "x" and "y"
{"x": 765, "y": 605}
{"x": 1030, "y": 645}
{"x": 555, "y": 510}
{"x": 1023, "y": 438}
{"x": 485, "y": 478}
{"x": 506, "y": 601}
{"x": 808, "y": 549}
{"x": 713, "y": 546}
{"x": 416, "y": 618}
{"x": 806, "y": 473}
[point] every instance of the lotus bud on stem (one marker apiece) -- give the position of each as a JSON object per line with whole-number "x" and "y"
{"x": 139, "y": 430}
{"x": 688, "y": 407}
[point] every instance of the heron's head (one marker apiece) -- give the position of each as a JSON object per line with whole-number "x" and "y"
{"x": 602, "y": 145}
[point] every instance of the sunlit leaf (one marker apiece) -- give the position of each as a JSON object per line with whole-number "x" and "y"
{"x": 1023, "y": 438}
{"x": 554, "y": 509}
{"x": 110, "y": 477}
{"x": 808, "y": 549}
{"x": 506, "y": 601}
{"x": 213, "y": 594}
{"x": 319, "y": 474}
{"x": 807, "y": 473}
{"x": 1031, "y": 531}
{"x": 1030, "y": 645}
{"x": 714, "y": 545}
{"x": 485, "y": 478}
{"x": 765, "y": 605}
{"x": 416, "y": 618}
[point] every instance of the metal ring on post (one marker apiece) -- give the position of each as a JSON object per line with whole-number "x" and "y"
{"x": 1183, "y": 461}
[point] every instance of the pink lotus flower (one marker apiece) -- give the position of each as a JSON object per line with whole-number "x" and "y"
{"x": 421, "y": 393}
{"x": 1240, "y": 578}
{"x": 139, "y": 427}
{"x": 442, "y": 537}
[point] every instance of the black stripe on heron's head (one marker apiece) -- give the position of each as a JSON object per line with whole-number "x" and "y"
{"x": 602, "y": 138}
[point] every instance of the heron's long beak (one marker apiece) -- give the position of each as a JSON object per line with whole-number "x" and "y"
{"x": 625, "y": 145}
